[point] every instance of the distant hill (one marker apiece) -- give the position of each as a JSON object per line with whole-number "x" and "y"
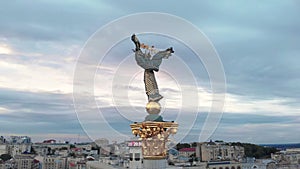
{"x": 282, "y": 146}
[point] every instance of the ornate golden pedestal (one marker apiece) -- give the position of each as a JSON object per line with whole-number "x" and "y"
{"x": 154, "y": 137}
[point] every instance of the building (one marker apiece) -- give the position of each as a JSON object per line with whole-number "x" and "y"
{"x": 54, "y": 162}
{"x": 18, "y": 149}
{"x": 76, "y": 163}
{"x": 212, "y": 151}
{"x": 260, "y": 164}
{"x": 102, "y": 142}
{"x": 20, "y": 140}
{"x": 51, "y": 141}
{"x": 54, "y": 145}
{"x": 2, "y": 164}
{"x": 3, "y": 149}
{"x": 290, "y": 156}
{"x": 121, "y": 149}
{"x": 224, "y": 165}
{"x": 84, "y": 146}
{"x": 51, "y": 148}
{"x": 135, "y": 154}
{"x": 26, "y": 162}
{"x": 7, "y": 164}
{"x": 39, "y": 149}
{"x": 97, "y": 165}
{"x": 2, "y": 140}
{"x": 187, "y": 152}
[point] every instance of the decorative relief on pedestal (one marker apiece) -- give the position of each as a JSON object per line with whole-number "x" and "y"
{"x": 154, "y": 137}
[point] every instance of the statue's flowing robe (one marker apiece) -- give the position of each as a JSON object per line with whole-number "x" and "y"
{"x": 150, "y": 65}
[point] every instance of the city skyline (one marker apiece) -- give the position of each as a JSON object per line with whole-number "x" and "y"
{"x": 257, "y": 43}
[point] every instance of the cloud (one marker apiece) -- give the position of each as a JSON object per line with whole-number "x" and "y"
{"x": 29, "y": 112}
{"x": 52, "y": 20}
{"x": 258, "y": 53}
{"x": 33, "y": 77}
{"x": 257, "y": 43}
{"x": 276, "y": 106}
{"x": 242, "y": 127}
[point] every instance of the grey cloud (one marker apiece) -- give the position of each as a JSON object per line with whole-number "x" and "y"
{"x": 57, "y": 116}
{"x": 37, "y": 113}
{"x": 52, "y": 20}
{"x": 257, "y": 43}
{"x": 250, "y": 128}
{"x": 38, "y": 101}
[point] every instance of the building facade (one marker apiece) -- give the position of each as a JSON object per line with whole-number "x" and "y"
{"x": 211, "y": 151}
{"x": 187, "y": 152}
{"x": 135, "y": 154}
{"x": 224, "y": 165}
{"x": 26, "y": 162}
{"x": 54, "y": 162}
{"x": 3, "y": 149}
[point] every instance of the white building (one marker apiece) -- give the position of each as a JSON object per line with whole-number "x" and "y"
{"x": 97, "y": 165}
{"x": 2, "y": 164}
{"x": 26, "y": 162}
{"x": 18, "y": 149}
{"x": 260, "y": 164}
{"x": 20, "y": 140}
{"x": 84, "y": 146}
{"x": 54, "y": 145}
{"x": 52, "y": 162}
{"x": 290, "y": 156}
{"x": 102, "y": 142}
{"x": 212, "y": 151}
{"x": 3, "y": 149}
{"x": 224, "y": 165}
{"x": 40, "y": 149}
{"x": 135, "y": 154}
{"x": 76, "y": 163}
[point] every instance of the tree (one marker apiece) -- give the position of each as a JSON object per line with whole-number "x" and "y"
{"x": 5, "y": 157}
{"x": 194, "y": 144}
{"x": 182, "y": 145}
{"x": 252, "y": 150}
{"x": 72, "y": 154}
{"x": 33, "y": 151}
{"x": 63, "y": 148}
{"x": 219, "y": 141}
{"x": 48, "y": 151}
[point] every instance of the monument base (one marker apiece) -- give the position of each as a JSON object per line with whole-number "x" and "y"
{"x": 155, "y": 163}
{"x": 154, "y": 136}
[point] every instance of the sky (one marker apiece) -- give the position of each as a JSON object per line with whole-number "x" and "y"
{"x": 257, "y": 42}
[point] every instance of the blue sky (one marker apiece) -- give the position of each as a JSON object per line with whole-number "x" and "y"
{"x": 257, "y": 41}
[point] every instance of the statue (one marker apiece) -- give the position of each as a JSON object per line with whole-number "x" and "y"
{"x": 150, "y": 61}
{"x": 153, "y": 131}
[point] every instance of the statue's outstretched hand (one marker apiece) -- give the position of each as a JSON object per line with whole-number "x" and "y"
{"x": 136, "y": 42}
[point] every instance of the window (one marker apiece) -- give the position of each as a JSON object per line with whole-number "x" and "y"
{"x": 232, "y": 167}
{"x": 130, "y": 156}
{"x": 238, "y": 167}
{"x": 137, "y": 156}
{"x": 226, "y": 167}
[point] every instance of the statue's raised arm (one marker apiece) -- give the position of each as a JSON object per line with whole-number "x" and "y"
{"x": 150, "y": 63}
